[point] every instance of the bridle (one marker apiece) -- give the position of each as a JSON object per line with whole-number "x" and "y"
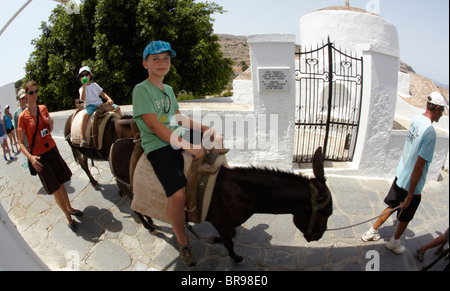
{"x": 315, "y": 207}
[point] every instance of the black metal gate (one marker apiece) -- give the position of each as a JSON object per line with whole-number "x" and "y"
{"x": 329, "y": 103}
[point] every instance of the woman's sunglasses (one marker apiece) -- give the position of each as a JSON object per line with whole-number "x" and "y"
{"x": 84, "y": 75}
{"x": 32, "y": 92}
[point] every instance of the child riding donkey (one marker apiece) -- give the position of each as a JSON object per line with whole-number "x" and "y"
{"x": 90, "y": 93}
{"x": 163, "y": 137}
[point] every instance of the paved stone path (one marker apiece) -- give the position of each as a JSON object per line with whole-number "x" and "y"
{"x": 110, "y": 236}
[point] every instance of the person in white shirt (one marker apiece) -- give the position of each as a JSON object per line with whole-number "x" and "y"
{"x": 90, "y": 93}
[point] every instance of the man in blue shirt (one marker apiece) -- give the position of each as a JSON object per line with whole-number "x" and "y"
{"x": 411, "y": 172}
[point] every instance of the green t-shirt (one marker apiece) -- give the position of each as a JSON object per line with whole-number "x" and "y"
{"x": 147, "y": 98}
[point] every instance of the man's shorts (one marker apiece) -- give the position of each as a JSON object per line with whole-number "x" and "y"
{"x": 396, "y": 196}
{"x": 90, "y": 109}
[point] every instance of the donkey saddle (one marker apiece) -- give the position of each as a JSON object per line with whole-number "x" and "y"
{"x": 95, "y": 126}
{"x": 149, "y": 196}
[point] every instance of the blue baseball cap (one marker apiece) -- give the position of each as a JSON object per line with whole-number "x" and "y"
{"x": 157, "y": 47}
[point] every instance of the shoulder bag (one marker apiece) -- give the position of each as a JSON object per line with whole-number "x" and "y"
{"x": 33, "y": 171}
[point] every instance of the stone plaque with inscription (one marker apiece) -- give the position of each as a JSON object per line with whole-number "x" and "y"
{"x": 274, "y": 80}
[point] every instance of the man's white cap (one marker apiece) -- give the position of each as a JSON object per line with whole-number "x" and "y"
{"x": 436, "y": 98}
{"x": 21, "y": 93}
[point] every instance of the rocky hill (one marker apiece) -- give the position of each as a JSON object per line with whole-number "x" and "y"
{"x": 236, "y": 48}
{"x": 421, "y": 87}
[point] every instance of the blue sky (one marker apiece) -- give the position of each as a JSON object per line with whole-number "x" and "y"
{"x": 423, "y": 28}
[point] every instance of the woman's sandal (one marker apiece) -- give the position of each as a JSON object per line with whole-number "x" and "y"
{"x": 76, "y": 213}
{"x": 71, "y": 224}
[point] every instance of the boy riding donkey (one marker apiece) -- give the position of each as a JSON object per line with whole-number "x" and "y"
{"x": 161, "y": 124}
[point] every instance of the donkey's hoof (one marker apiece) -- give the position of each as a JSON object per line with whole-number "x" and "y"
{"x": 153, "y": 231}
{"x": 214, "y": 240}
{"x": 239, "y": 260}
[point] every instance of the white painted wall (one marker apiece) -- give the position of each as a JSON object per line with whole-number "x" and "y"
{"x": 278, "y": 52}
{"x": 8, "y": 97}
{"x": 243, "y": 91}
{"x": 348, "y": 29}
{"x": 377, "y": 114}
{"x": 15, "y": 253}
{"x": 404, "y": 85}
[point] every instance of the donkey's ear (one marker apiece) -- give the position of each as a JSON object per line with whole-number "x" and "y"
{"x": 318, "y": 165}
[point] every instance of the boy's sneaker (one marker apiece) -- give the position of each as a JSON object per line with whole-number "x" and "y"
{"x": 396, "y": 246}
{"x": 186, "y": 255}
{"x": 83, "y": 142}
{"x": 370, "y": 235}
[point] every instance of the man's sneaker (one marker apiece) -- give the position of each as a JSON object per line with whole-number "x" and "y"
{"x": 186, "y": 255}
{"x": 396, "y": 246}
{"x": 370, "y": 235}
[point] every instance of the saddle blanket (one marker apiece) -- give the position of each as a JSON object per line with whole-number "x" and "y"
{"x": 149, "y": 196}
{"x": 75, "y": 136}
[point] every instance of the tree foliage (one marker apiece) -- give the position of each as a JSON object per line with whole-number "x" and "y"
{"x": 110, "y": 36}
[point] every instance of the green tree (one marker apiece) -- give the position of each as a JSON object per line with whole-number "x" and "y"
{"x": 200, "y": 66}
{"x": 65, "y": 43}
{"x": 110, "y": 35}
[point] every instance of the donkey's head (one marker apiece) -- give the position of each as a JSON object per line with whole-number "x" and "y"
{"x": 321, "y": 203}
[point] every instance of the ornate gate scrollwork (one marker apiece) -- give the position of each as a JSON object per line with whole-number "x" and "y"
{"x": 330, "y": 85}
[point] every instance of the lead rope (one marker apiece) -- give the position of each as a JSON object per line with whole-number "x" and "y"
{"x": 340, "y": 228}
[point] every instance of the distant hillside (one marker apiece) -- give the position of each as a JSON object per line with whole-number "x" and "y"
{"x": 421, "y": 87}
{"x": 236, "y": 48}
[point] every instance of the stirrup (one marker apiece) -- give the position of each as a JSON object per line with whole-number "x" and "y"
{"x": 83, "y": 143}
{"x": 219, "y": 151}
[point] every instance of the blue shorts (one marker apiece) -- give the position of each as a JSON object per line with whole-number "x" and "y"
{"x": 90, "y": 109}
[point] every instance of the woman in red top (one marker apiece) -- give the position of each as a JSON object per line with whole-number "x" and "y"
{"x": 45, "y": 158}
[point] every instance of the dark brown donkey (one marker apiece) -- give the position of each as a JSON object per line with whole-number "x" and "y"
{"x": 241, "y": 192}
{"x": 114, "y": 129}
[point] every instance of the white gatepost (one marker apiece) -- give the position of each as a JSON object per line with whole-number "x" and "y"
{"x": 376, "y": 154}
{"x": 272, "y": 59}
